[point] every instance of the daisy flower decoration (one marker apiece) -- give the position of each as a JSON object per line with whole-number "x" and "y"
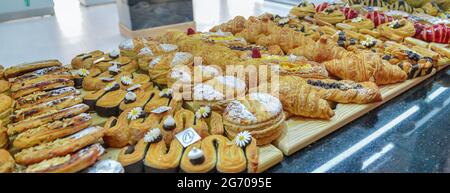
{"x": 203, "y": 112}
{"x": 243, "y": 138}
{"x": 83, "y": 72}
{"x": 167, "y": 92}
{"x": 135, "y": 113}
{"x": 126, "y": 80}
{"x": 111, "y": 86}
{"x": 153, "y": 135}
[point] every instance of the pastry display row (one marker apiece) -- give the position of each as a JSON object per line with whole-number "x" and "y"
{"x": 209, "y": 101}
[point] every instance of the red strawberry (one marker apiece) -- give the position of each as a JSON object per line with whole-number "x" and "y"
{"x": 190, "y": 31}
{"x": 256, "y": 53}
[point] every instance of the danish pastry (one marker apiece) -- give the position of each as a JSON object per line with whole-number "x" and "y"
{"x": 86, "y": 60}
{"x": 40, "y": 97}
{"x": 303, "y": 9}
{"x": 161, "y": 158}
{"x": 397, "y": 30}
{"x": 49, "y": 84}
{"x": 7, "y": 163}
{"x": 18, "y": 70}
{"x": 331, "y": 15}
{"x": 132, "y": 156}
{"x": 4, "y": 86}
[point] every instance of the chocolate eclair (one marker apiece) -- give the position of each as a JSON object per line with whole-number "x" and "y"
{"x": 131, "y": 157}
{"x": 69, "y": 163}
{"x": 163, "y": 159}
{"x": 48, "y": 117}
{"x": 52, "y": 131}
{"x": 45, "y": 96}
{"x": 59, "y": 147}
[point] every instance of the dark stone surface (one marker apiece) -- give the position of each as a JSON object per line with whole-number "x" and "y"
{"x": 419, "y": 142}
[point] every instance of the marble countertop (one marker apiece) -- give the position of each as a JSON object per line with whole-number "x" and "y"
{"x": 410, "y": 133}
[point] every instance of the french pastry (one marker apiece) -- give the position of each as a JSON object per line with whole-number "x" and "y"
{"x": 257, "y": 27}
{"x": 69, "y": 163}
{"x": 439, "y": 33}
{"x": 299, "y": 99}
{"x": 230, "y": 158}
{"x": 322, "y": 50}
{"x": 221, "y": 38}
{"x": 365, "y": 67}
{"x": 331, "y": 15}
{"x": 6, "y": 108}
{"x": 138, "y": 96}
{"x": 172, "y": 124}
{"x": 234, "y": 26}
{"x": 55, "y": 105}
{"x": 162, "y": 158}
{"x": 106, "y": 166}
{"x": 401, "y": 5}
{"x": 378, "y": 18}
{"x": 360, "y": 23}
{"x": 349, "y": 12}
{"x": 299, "y": 66}
{"x": 346, "y": 91}
{"x": 46, "y": 118}
{"x": 63, "y": 74}
{"x": 230, "y": 86}
{"x": 108, "y": 104}
{"x": 286, "y": 38}
{"x": 59, "y": 147}
{"x": 18, "y": 70}
{"x": 50, "y": 84}
{"x": 131, "y": 157}
{"x": 431, "y": 8}
{"x": 4, "y": 139}
{"x": 131, "y": 47}
{"x": 159, "y": 67}
{"x": 397, "y": 30}
{"x": 260, "y": 113}
{"x": 200, "y": 157}
{"x": 86, "y": 60}
{"x": 47, "y": 71}
{"x": 208, "y": 122}
{"x": 4, "y": 86}
{"x": 303, "y": 9}
{"x": 52, "y": 131}
{"x": 7, "y": 163}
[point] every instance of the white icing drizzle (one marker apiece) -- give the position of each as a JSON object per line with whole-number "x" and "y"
{"x": 208, "y": 70}
{"x": 238, "y": 112}
{"x": 154, "y": 61}
{"x": 146, "y": 51}
{"x": 357, "y": 19}
{"x": 99, "y": 60}
{"x": 292, "y": 58}
{"x": 206, "y": 92}
{"x": 130, "y": 96}
{"x": 152, "y": 135}
{"x": 180, "y": 58}
{"x": 106, "y": 166}
{"x": 195, "y": 153}
{"x": 85, "y": 116}
{"x": 161, "y": 109}
{"x": 270, "y": 103}
{"x": 168, "y": 47}
{"x": 127, "y": 44}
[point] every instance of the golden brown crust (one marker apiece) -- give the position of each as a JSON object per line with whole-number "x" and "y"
{"x": 29, "y": 67}
{"x": 7, "y": 163}
{"x": 127, "y": 158}
{"x": 42, "y": 86}
{"x": 44, "y": 96}
{"x": 161, "y": 158}
{"x": 85, "y": 60}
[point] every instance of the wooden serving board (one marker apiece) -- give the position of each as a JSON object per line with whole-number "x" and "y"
{"x": 269, "y": 155}
{"x": 301, "y": 132}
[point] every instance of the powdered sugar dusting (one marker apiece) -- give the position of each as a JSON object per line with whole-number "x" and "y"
{"x": 206, "y": 92}
{"x": 270, "y": 103}
{"x": 180, "y": 58}
{"x": 231, "y": 81}
{"x": 238, "y": 112}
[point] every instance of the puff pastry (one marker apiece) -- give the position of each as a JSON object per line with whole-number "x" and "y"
{"x": 45, "y": 96}
{"x": 86, "y": 60}
{"x": 397, "y": 30}
{"x": 7, "y": 163}
{"x": 18, "y": 70}
{"x": 42, "y": 86}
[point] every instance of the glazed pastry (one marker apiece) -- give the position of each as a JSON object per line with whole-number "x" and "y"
{"x": 7, "y": 163}
{"x": 69, "y": 163}
{"x": 4, "y": 139}
{"x": 230, "y": 86}
{"x": 397, "y": 30}
{"x": 106, "y": 166}
{"x": 29, "y": 67}
{"x": 59, "y": 147}
{"x": 108, "y": 104}
{"x": 421, "y": 68}
{"x": 230, "y": 158}
{"x": 257, "y": 27}
{"x": 234, "y": 26}
{"x": 331, "y": 15}
{"x": 345, "y": 91}
{"x": 55, "y": 105}
{"x": 161, "y": 158}
{"x": 401, "y": 5}
{"x": 132, "y": 156}
{"x": 221, "y": 38}
{"x": 42, "y": 86}
{"x": 261, "y": 114}
{"x": 138, "y": 96}
{"x": 40, "y": 75}
{"x": 300, "y": 99}
{"x": 378, "y": 18}
{"x": 349, "y": 12}
{"x": 179, "y": 121}
{"x": 439, "y": 33}
{"x": 46, "y": 118}
{"x": 365, "y": 67}
{"x": 52, "y": 131}
{"x": 32, "y": 81}
{"x": 86, "y": 60}
{"x": 360, "y": 23}
{"x": 4, "y": 86}
{"x": 200, "y": 157}
{"x": 303, "y": 9}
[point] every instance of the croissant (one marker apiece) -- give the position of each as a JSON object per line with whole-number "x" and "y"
{"x": 323, "y": 50}
{"x": 366, "y": 66}
{"x": 300, "y": 99}
{"x": 257, "y": 27}
{"x": 303, "y": 9}
{"x": 286, "y": 38}
{"x": 378, "y": 18}
{"x": 234, "y": 26}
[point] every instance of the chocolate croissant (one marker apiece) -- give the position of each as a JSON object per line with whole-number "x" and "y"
{"x": 59, "y": 147}
{"x": 366, "y": 67}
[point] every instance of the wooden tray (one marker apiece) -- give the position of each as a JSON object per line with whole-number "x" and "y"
{"x": 301, "y": 132}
